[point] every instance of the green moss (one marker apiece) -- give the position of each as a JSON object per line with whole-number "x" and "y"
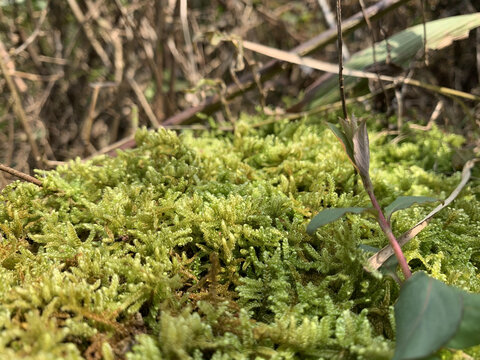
{"x": 194, "y": 247}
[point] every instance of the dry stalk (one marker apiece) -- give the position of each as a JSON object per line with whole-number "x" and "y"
{"x": 143, "y": 101}
{"x": 35, "y": 32}
{"x": 374, "y": 53}
{"x": 340, "y": 60}
{"x": 89, "y": 33}
{"x": 425, "y": 48}
{"x": 330, "y": 19}
{"x": 20, "y": 175}
{"x": 273, "y": 67}
{"x": 20, "y": 112}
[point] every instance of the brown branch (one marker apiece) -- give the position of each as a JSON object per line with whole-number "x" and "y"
{"x": 247, "y": 81}
{"x": 271, "y": 68}
{"x": 19, "y": 111}
{"x": 35, "y": 32}
{"x": 143, "y": 101}
{"x": 89, "y": 33}
{"x": 20, "y": 175}
{"x": 340, "y": 60}
{"x": 425, "y": 49}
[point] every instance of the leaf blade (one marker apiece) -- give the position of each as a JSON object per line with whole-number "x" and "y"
{"x": 468, "y": 333}
{"x": 404, "y": 202}
{"x": 427, "y": 315}
{"x": 330, "y": 215}
{"x": 345, "y": 141}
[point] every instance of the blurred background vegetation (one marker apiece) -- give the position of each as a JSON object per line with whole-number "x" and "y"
{"x": 79, "y": 75}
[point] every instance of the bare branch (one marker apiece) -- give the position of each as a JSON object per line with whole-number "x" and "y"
{"x": 20, "y": 175}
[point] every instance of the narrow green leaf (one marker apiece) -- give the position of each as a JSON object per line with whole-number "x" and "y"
{"x": 427, "y": 315}
{"x": 330, "y": 215}
{"x": 404, "y": 202}
{"x": 368, "y": 248}
{"x": 347, "y": 143}
{"x": 389, "y": 266}
{"x": 468, "y": 333}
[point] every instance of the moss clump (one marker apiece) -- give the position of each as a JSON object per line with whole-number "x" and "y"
{"x": 194, "y": 247}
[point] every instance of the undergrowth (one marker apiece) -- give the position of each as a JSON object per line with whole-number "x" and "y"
{"x": 194, "y": 247}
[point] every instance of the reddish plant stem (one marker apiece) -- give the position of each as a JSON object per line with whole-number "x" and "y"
{"x": 385, "y": 226}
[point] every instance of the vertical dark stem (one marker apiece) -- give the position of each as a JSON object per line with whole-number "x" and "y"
{"x": 340, "y": 59}
{"x": 374, "y": 54}
{"x": 158, "y": 60}
{"x": 425, "y": 53}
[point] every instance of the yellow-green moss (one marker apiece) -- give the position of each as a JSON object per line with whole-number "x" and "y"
{"x": 194, "y": 247}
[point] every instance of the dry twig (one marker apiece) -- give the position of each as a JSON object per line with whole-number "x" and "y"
{"x": 89, "y": 33}
{"x": 20, "y": 175}
{"x": 19, "y": 111}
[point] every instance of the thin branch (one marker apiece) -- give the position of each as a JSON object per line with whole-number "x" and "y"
{"x": 35, "y": 32}
{"x": 340, "y": 59}
{"x": 425, "y": 51}
{"x": 19, "y": 111}
{"x": 188, "y": 41}
{"x": 10, "y": 65}
{"x": 20, "y": 175}
{"x": 77, "y": 12}
{"x": 88, "y": 122}
{"x": 330, "y": 19}
{"x": 11, "y": 138}
{"x": 333, "y": 68}
{"x": 374, "y": 52}
{"x": 143, "y": 101}
{"x": 435, "y": 114}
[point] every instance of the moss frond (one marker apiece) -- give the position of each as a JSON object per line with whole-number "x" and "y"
{"x": 194, "y": 247}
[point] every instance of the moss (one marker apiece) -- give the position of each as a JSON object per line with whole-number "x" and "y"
{"x": 194, "y": 247}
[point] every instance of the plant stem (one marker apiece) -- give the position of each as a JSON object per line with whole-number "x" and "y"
{"x": 340, "y": 59}
{"x": 385, "y": 226}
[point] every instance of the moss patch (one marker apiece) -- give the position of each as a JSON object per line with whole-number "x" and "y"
{"x": 194, "y": 247}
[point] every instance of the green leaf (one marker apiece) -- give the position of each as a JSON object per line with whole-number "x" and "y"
{"x": 404, "y": 202}
{"x": 468, "y": 333}
{"x": 427, "y": 315}
{"x": 402, "y": 48}
{"x": 389, "y": 267}
{"x": 346, "y": 142}
{"x": 330, "y": 215}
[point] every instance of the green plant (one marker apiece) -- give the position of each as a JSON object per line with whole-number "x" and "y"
{"x": 120, "y": 251}
{"x": 428, "y": 313}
